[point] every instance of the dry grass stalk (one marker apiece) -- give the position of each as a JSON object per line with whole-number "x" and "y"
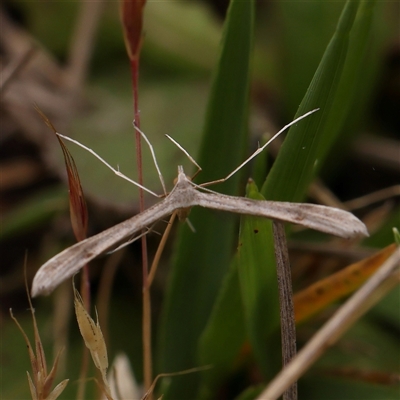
{"x": 369, "y": 294}
{"x": 41, "y": 383}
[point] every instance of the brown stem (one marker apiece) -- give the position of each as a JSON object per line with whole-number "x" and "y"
{"x": 80, "y": 395}
{"x": 288, "y": 325}
{"x": 103, "y": 299}
{"x": 146, "y": 323}
{"x": 160, "y": 249}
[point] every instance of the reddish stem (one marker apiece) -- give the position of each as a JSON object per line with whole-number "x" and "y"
{"x": 146, "y": 326}
{"x": 85, "y": 287}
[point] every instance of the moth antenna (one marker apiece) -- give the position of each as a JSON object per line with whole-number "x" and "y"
{"x": 260, "y": 149}
{"x": 187, "y": 155}
{"x": 152, "y": 154}
{"x": 116, "y": 171}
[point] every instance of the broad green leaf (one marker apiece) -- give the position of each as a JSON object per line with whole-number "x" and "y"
{"x": 294, "y": 170}
{"x": 300, "y": 156}
{"x": 305, "y": 29}
{"x": 258, "y": 284}
{"x": 202, "y": 258}
{"x": 356, "y": 66}
{"x": 288, "y": 180}
{"x": 224, "y": 335}
{"x": 252, "y": 277}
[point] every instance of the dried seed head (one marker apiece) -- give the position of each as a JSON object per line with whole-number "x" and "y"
{"x": 40, "y": 383}
{"x": 92, "y": 335}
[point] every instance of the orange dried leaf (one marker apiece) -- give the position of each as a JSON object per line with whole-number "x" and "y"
{"x": 328, "y": 290}
{"x": 132, "y": 22}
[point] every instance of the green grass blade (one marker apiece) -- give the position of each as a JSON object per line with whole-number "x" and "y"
{"x": 300, "y": 156}
{"x": 293, "y": 173}
{"x": 225, "y": 326}
{"x": 202, "y": 258}
{"x": 352, "y": 77}
{"x": 256, "y": 260}
{"x": 299, "y": 160}
{"x": 306, "y": 27}
{"x": 258, "y": 284}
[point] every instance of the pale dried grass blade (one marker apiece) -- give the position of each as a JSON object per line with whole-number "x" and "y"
{"x": 368, "y": 295}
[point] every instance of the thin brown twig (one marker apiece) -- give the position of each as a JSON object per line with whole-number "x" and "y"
{"x": 105, "y": 289}
{"x": 146, "y": 321}
{"x": 160, "y": 249}
{"x": 80, "y": 394}
{"x": 288, "y": 324}
{"x": 331, "y": 250}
